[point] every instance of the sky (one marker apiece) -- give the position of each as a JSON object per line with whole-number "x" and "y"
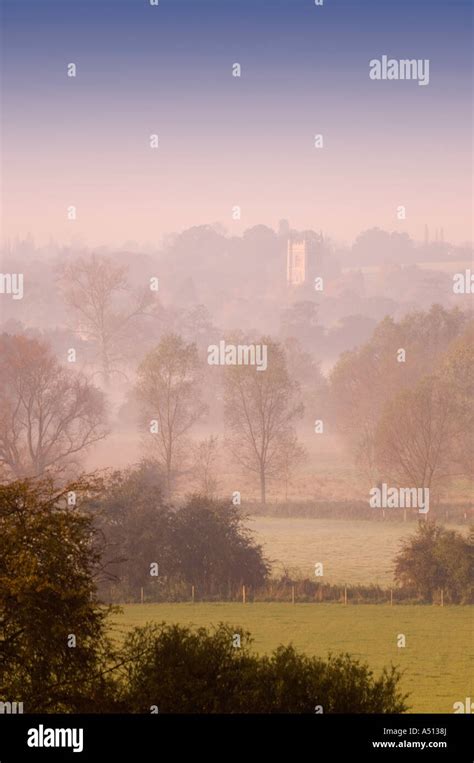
{"x": 226, "y": 141}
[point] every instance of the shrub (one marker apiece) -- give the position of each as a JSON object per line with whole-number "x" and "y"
{"x": 181, "y": 670}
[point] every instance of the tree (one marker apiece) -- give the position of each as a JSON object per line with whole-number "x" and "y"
{"x": 94, "y": 287}
{"x": 214, "y": 549}
{"x": 300, "y": 321}
{"x": 169, "y": 394}
{"x": 260, "y": 408}
{"x": 54, "y": 654}
{"x": 292, "y": 456}
{"x": 49, "y": 415}
{"x": 435, "y": 558}
{"x": 137, "y": 527}
{"x": 378, "y": 246}
{"x": 306, "y": 371}
{"x": 204, "y": 543}
{"x": 425, "y": 435}
{"x": 457, "y": 372}
{"x": 417, "y": 434}
{"x": 366, "y": 379}
{"x": 205, "y": 459}
{"x": 181, "y": 670}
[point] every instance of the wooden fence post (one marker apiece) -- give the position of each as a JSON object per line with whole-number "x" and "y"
{"x": 243, "y": 594}
{"x": 141, "y": 595}
{"x": 292, "y": 594}
{"x": 391, "y": 598}
{"x": 345, "y": 595}
{"x": 192, "y": 593}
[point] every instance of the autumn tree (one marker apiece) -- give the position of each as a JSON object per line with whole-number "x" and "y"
{"x": 260, "y": 409}
{"x": 168, "y": 389}
{"x": 50, "y": 415}
{"x": 424, "y": 436}
{"x": 366, "y": 379}
{"x": 54, "y": 651}
{"x": 435, "y": 558}
{"x": 105, "y": 306}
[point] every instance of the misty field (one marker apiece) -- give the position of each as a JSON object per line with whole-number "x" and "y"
{"x": 436, "y": 661}
{"x": 352, "y": 551}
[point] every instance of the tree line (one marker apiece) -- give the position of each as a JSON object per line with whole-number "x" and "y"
{"x": 403, "y": 402}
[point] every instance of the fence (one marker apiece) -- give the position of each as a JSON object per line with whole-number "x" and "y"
{"x": 294, "y": 592}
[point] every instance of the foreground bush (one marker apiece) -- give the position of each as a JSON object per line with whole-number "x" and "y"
{"x": 179, "y": 670}
{"x": 54, "y": 650}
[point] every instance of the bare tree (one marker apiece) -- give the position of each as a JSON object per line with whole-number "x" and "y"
{"x": 260, "y": 408}
{"x": 49, "y": 415}
{"x": 168, "y": 390}
{"x": 205, "y": 461}
{"x": 417, "y": 436}
{"x": 292, "y": 456}
{"x": 95, "y": 287}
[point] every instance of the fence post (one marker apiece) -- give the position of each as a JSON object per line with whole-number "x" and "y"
{"x": 345, "y": 595}
{"x": 243, "y": 594}
{"x": 141, "y": 595}
{"x": 391, "y": 598}
{"x": 442, "y": 597}
{"x": 292, "y": 594}
{"x": 192, "y": 593}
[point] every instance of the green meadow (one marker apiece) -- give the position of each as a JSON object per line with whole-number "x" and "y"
{"x": 436, "y": 661}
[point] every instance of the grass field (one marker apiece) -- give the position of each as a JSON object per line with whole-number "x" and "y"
{"x": 437, "y": 659}
{"x": 352, "y": 551}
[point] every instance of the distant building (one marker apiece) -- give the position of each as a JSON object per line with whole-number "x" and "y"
{"x": 296, "y": 262}
{"x": 304, "y": 259}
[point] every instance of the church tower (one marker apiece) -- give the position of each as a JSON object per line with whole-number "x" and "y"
{"x": 297, "y": 262}
{"x": 304, "y": 258}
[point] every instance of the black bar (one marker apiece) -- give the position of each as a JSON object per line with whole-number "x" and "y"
{"x": 158, "y": 737}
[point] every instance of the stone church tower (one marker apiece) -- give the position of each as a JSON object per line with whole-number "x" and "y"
{"x": 303, "y": 258}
